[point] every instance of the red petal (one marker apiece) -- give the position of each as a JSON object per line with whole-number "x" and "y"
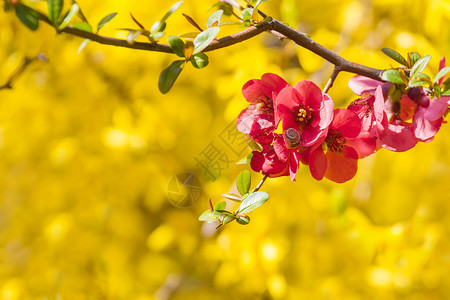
{"x": 310, "y": 94}
{"x": 341, "y": 168}
{"x": 398, "y": 137}
{"x": 346, "y": 122}
{"x": 293, "y": 164}
{"x": 317, "y": 163}
{"x": 364, "y": 144}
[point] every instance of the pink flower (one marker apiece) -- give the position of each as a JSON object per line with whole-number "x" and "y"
{"x": 305, "y": 109}
{"x": 258, "y": 119}
{"x": 346, "y": 143}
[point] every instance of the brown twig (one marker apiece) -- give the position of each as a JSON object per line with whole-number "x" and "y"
{"x": 260, "y": 183}
{"x": 332, "y": 79}
{"x": 16, "y": 74}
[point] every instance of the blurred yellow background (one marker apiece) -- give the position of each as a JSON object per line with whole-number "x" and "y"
{"x": 88, "y": 147}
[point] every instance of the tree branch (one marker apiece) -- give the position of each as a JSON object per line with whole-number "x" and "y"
{"x": 333, "y": 76}
{"x": 271, "y": 26}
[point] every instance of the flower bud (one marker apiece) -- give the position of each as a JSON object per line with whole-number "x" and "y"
{"x": 418, "y": 95}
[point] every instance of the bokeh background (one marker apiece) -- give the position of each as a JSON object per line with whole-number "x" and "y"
{"x": 88, "y": 147}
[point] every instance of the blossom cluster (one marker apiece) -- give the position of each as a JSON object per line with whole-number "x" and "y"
{"x": 299, "y": 124}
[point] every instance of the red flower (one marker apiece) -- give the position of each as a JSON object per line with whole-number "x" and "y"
{"x": 275, "y": 159}
{"x": 345, "y": 143}
{"x": 258, "y": 119}
{"x": 307, "y": 110}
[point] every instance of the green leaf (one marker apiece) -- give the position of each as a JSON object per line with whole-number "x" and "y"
{"x": 82, "y": 45}
{"x": 247, "y": 14}
{"x": 8, "y": 6}
{"x": 227, "y": 218}
{"x": 169, "y": 75}
{"x": 437, "y": 90}
{"x": 253, "y": 201}
{"x": 70, "y": 14}
{"x": 199, "y": 60}
{"x": 220, "y": 206}
{"x": 54, "y": 10}
{"x": 417, "y": 83}
{"x": 82, "y": 26}
{"x": 419, "y": 66}
{"x": 105, "y": 20}
{"x": 232, "y": 197}
{"x": 205, "y": 38}
{"x": 243, "y": 219}
{"x": 157, "y": 29}
{"x": 27, "y": 16}
{"x": 446, "y": 89}
{"x": 395, "y": 56}
{"x": 214, "y": 19}
{"x": 171, "y": 10}
{"x": 177, "y": 45}
{"x": 207, "y": 216}
{"x": 243, "y": 182}
{"x": 392, "y": 75}
{"x": 442, "y": 73}
{"x": 413, "y": 57}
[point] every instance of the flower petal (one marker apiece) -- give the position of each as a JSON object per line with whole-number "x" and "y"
{"x": 423, "y": 128}
{"x": 398, "y": 137}
{"x": 361, "y": 85}
{"x": 317, "y": 163}
{"x": 341, "y": 167}
{"x": 310, "y": 94}
{"x": 346, "y": 122}
{"x": 364, "y": 144}
{"x": 294, "y": 164}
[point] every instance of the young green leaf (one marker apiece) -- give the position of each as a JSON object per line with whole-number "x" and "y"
{"x": 243, "y": 219}
{"x": 205, "y": 38}
{"x": 395, "y": 56}
{"x": 247, "y": 14}
{"x": 232, "y": 197}
{"x": 169, "y": 75}
{"x": 199, "y": 60}
{"x": 27, "y": 16}
{"x": 105, "y": 20}
{"x": 70, "y": 14}
{"x": 243, "y": 182}
{"x": 83, "y": 26}
{"x": 82, "y": 45}
{"x": 177, "y": 45}
{"x": 157, "y": 29}
{"x": 413, "y": 57}
{"x": 220, "y": 206}
{"x": 392, "y": 75}
{"x": 253, "y": 201}
{"x": 441, "y": 74}
{"x": 417, "y": 83}
{"x": 419, "y": 66}
{"x": 207, "y": 216}
{"x": 171, "y": 10}
{"x": 214, "y": 19}
{"x": 437, "y": 90}
{"x": 54, "y": 10}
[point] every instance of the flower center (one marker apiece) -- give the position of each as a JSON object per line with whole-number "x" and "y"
{"x": 265, "y": 105}
{"x": 303, "y": 114}
{"x": 335, "y": 141}
{"x": 293, "y": 137}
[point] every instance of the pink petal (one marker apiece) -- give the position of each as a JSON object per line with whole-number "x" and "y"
{"x": 317, "y": 163}
{"x": 274, "y": 82}
{"x": 398, "y": 137}
{"x": 361, "y": 85}
{"x": 280, "y": 148}
{"x": 378, "y": 110}
{"x": 346, "y": 122}
{"x": 310, "y": 94}
{"x": 437, "y": 108}
{"x": 293, "y": 164}
{"x": 423, "y": 128}
{"x": 286, "y": 101}
{"x": 441, "y": 66}
{"x": 326, "y": 112}
{"x": 364, "y": 144}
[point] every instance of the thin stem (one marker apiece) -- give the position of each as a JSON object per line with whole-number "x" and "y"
{"x": 16, "y": 74}
{"x": 260, "y": 183}
{"x": 332, "y": 79}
